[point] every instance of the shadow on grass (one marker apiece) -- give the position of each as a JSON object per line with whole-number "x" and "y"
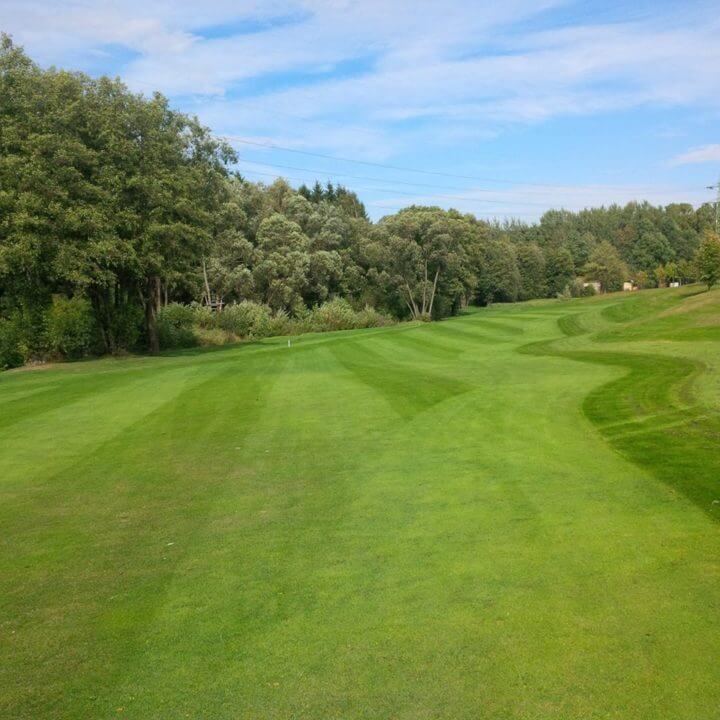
{"x": 650, "y": 415}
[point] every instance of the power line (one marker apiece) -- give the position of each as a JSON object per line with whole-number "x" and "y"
{"x": 325, "y": 173}
{"x": 462, "y": 198}
{"x": 506, "y": 216}
{"x": 429, "y": 197}
{"x": 553, "y": 186}
{"x": 273, "y": 146}
{"x": 393, "y": 190}
{"x": 355, "y": 177}
{"x": 717, "y": 203}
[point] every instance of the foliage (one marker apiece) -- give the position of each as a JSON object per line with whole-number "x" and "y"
{"x": 332, "y": 315}
{"x": 280, "y": 324}
{"x": 707, "y": 259}
{"x": 499, "y": 279}
{"x": 71, "y": 329}
{"x": 189, "y": 325}
{"x": 606, "y": 267}
{"x": 369, "y": 317}
{"x": 175, "y": 326}
{"x": 578, "y": 288}
{"x": 531, "y": 268}
{"x": 118, "y": 198}
{"x": 559, "y": 269}
{"x": 641, "y": 279}
{"x": 13, "y": 351}
{"x": 103, "y": 191}
{"x": 338, "y": 314}
{"x": 424, "y": 254}
{"x": 247, "y": 319}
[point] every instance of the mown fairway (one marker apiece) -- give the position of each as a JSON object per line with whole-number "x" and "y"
{"x": 512, "y": 514}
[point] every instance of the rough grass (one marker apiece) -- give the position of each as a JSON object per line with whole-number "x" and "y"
{"x": 497, "y": 516}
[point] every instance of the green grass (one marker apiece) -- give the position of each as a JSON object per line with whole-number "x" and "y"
{"x": 511, "y": 514}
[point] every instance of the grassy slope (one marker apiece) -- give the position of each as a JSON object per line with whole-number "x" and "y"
{"x": 457, "y": 520}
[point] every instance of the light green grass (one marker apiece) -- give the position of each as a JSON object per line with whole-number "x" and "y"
{"x": 511, "y": 514}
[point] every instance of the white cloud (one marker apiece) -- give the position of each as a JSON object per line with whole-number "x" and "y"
{"x": 530, "y": 202}
{"x": 480, "y": 66}
{"x": 706, "y": 154}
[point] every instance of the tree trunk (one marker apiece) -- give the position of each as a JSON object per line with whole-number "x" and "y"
{"x": 432, "y": 297}
{"x": 415, "y": 311}
{"x": 152, "y": 303}
{"x": 207, "y": 284}
{"x": 100, "y": 311}
{"x": 424, "y": 306}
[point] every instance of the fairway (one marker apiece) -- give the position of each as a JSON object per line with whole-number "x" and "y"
{"x": 508, "y": 514}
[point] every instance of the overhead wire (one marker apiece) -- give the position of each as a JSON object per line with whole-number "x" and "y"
{"x": 376, "y": 203}
{"x": 400, "y": 192}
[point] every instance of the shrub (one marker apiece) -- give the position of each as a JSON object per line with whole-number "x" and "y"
{"x": 212, "y": 337}
{"x": 188, "y": 325}
{"x": 246, "y": 319}
{"x": 175, "y": 326}
{"x": 203, "y": 316}
{"x": 281, "y": 324}
{"x": 333, "y": 315}
{"x": 566, "y": 294}
{"x": 13, "y": 349}
{"x": 579, "y": 289}
{"x": 369, "y": 317}
{"x": 126, "y": 327}
{"x": 71, "y": 330}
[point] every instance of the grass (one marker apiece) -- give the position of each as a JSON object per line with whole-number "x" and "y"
{"x": 512, "y": 514}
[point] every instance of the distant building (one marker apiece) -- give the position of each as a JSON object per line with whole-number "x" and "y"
{"x": 675, "y": 283}
{"x": 593, "y": 284}
{"x": 628, "y": 286}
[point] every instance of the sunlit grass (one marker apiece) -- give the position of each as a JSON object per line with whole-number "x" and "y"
{"x": 496, "y": 516}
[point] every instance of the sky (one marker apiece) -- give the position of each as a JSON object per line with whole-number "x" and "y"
{"x": 502, "y": 109}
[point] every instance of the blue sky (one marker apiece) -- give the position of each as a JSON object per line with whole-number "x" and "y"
{"x": 515, "y": 106}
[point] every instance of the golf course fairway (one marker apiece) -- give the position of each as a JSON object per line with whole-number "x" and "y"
{"x": 508, "y": 514}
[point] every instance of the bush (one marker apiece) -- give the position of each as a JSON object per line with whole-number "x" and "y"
{"x": 246, "y": 319}
{"x": 212, "y": 337}
{"x": 188, "y": 325}
{"x": 175, "y": 326}
{"x": 566, "y": 294}
{"x": 13, "y": 349}
{"x": 203, "y": 316}
{"x": 281, "y": 324}
{"x": 333, "y": 315}
{"x": 71, "y": 330}
{"x": 369, "y": 317}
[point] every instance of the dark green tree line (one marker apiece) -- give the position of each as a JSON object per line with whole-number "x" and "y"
{"x": 113, "y": 205}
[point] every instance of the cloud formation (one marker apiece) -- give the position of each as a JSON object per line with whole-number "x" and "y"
{"x": 418, "y": 59}
{"x": 706, "y": 154}
{"x": 381, "y": 78}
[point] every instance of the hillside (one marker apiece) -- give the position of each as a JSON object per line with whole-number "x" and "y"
{"x": 508, "y": 514}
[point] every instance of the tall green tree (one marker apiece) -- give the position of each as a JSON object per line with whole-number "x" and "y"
{"x": 606, "y": 267}
{"x": 499, "y": 278}
{"x": 707, "y": 259}
{"x": 104, "y": 193}
{"x": 426, "y": 255}
{"x": 559, "y": 269}
{"x": 531, "y": 266}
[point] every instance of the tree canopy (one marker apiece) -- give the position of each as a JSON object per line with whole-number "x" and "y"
{"x": 120, "y": 204}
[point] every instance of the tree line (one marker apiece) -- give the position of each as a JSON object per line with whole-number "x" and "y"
{"x": 114, "y": 206}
